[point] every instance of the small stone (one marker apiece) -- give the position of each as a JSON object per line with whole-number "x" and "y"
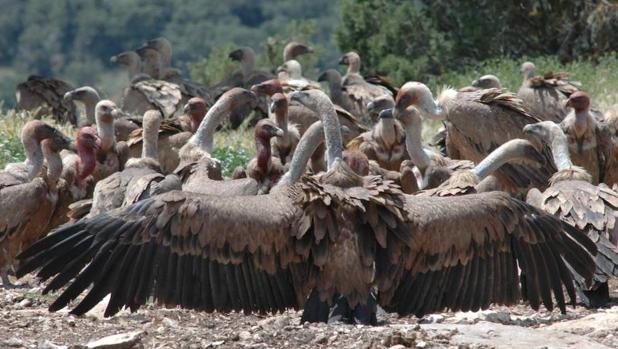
{"x": 398, "y": 346}
{"x": 14, "y": 343}
{"x": 117, "y": 341}
{"x": 25, "y": 303}
{"x": 421, "y": 344}
{"x": 433, "y": 319}
{"x": 321, "y": 339}
{"x": 49, "y": 345}
{"x": 214, "y": 344}
{"x": 169, "y": 322}
{"x": 244, "y": 335}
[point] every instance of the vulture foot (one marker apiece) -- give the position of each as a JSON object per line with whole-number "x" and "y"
{"x": 7, "y": 284}
{"x": 318, "y": 311}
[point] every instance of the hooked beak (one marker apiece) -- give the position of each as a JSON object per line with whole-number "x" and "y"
{"x": 113, "y": 59}
{"x": 386, "y": 114}
{"x": 186, "y": 108}
{"x": 476, "y": 83}
{"x": 255, "y": 89}
{"x": 235, "y": 55}
{"x": 296, "y": 96}
{"x": 279, "y": 132}
{"x": 280, "y": 69}
{"x": 323, "y": 77}
{"x": 568, "y": 104}
{"x": 97, "y": 143}
{"x": 68, "y": 96}
{"x": 343, "y": 60}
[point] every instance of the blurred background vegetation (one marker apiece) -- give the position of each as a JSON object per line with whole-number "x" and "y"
{"x": 440, "y": 42}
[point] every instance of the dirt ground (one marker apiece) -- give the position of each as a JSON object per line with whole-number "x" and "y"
{"x": 26, "y": 323}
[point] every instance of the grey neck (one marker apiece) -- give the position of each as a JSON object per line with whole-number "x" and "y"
{"x": 500, "y": 156}
{"x": 204, "y": 136}
{"x": 386, "y": 130}
{"x": 414, "y": 142}
{"x": 560, "y": 149}
{"x": 54, "y": 168}
{"x": 332, "y": 132}
{"x": 34, "y": 157}
{"x": 311, "y": 139}
{"x": 150, "y": 144}
{"x": 106, "y": 133}
{"x": 248, "y": 63}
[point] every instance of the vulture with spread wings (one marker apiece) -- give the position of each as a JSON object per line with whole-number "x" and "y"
{"x": 335, "y": 233}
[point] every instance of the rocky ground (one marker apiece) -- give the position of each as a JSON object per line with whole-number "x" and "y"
{"x": 25, "y": 323}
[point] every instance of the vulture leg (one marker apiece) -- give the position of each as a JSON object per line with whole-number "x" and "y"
{"x": 315, "y": 310}
{"x": 362, "y": 314}
{"x": 596, "y": 296}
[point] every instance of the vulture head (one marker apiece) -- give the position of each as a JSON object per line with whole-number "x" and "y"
{"x": 266, "y": 129}
{"x": 331, "y": 76}
{"x": 528, "y": 69}
{"x": 487, "y": 81}
{"x": 106, "y": 111}
{"x": 315, "y": 100}
{"x": 378, "y": 104}
{"x": 161, "y": 45}
{"x": 357, "y": 161}
{"x": 352, "y": 60}
{"x": 279, "y": 103}
{"x": 239, "y": 97}
{"x": 580, "y": 101}
{"x": 542, "y": 132}
{"x": 85, "y": 94}
{"x": 241, "y": 54}
{"x": 196, "y": 109}
{"x": 418, "y": 95}
{"x": 292, "y": 68}
{"x": 148, "y": 53}
{"x": 127, "y": 58}
{"x": 87, "y": 143}
{"x": 267, "y": 88}
{"x": 294, "y": 49}
{"x": 37, "y": 130}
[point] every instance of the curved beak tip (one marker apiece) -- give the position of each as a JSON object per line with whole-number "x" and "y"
{"x": 186, "y": 108}
{"x": 279, "y": 132}
{"x": 113, "y": 59}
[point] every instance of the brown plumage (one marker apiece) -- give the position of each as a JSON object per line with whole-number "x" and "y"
{"x": 140, "y": 178}
{"x": 575, "y": 200}
{"x": 27, "y": 208}
{"x": 290, "y": 74}
{"x": 123, "y": 126}
{"x": 112, "y": 155}
{"x": 265, "y": 168}
{"x": 467, "y": 181}
{"x": 476, "y": 124}
{"x": 359, "y": 91}
{"x": 145, "y": 92}
{"x": 303, "y": 117}
{"x": 284, "y": 146}
{"x": 546, "y": 95}
{"x": 385, "y": 143}
{"x": 47, "y": 94}
{"x": 338, "y": 233}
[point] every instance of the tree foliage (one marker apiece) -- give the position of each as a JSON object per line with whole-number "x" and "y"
{"x": 422, "y": 38}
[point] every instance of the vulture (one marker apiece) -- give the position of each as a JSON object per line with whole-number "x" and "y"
{"x": 334, "y": 233}
{"x": 476, "y": 124}
{"x": 589, "y": 140}
{"x": 264, "y": 168}
{"x": 76, "y": 182}
{"x": 172, "y": 136}
{"x": 467, "y": 181}
{"x": 359, "y": 91}
{"x": 337, "y": 95}
{"x": 87, "y": 95}
{"x": 140, "y": 178}
{"x": 610, "y": 175}
{"x": 112, "y": 155}
{"x": 151, "y": 62}
{"x": 145, "y": 92}
{"x": 574, "y": 199}
{"x": 294, "y": 79}
{"x": 434, "y": 168}
{"x": 546, "y": 95}
{"x": 294, "y": 49}
{"x": 283, "y": 146}
{"x": 385, "y": 143}
{"x": 482, "y": 83}
{"x": 28, "y": 207}
{"x": 32, "y": 133}
{"x": 188, "y": 88}
{"x": 302, "y": 116}
{"x": 47, "y": 94}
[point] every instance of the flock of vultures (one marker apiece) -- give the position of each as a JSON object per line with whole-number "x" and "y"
{"x": 343, "y": 209}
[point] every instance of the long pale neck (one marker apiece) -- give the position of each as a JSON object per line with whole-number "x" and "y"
{"x": 166, "y": 57}
{"x": 332, "y": 133}
{"x": 414, "y": 143}
{"x": 336, "y": 93}
{"x": 310, "y": 141}
{"x": 34, "y": 157}
{"x": 151, "y": 66}
{"x": 105, "y": 130}
{"x": 281, "y": 116}
{"x": 54, "y": 168}
{"x": 150, "y": 144}
{"x": 248, "y": 62}
{"x": 500, "y": 156}
{"x": 263, "y": 153}
{"x": 582, "y": 122}
{"x": 205, "y": 134}
{"x": 354, "y": 67}
{"x": 90, "y": 103}
{"x": 560, "y": 150}
{"x": 133, "y": 69}
{"x": 386, "y": 130}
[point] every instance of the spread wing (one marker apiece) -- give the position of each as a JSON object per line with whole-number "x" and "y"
{"x": 196, "y": 251}
{"x": 463, "y": 253}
